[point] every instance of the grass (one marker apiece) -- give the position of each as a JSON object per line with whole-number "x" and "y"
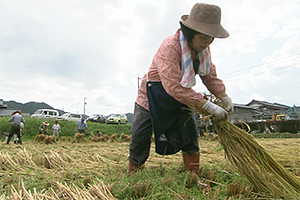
{"x": 87, "y": 169}
{"x": 67, "y": 128}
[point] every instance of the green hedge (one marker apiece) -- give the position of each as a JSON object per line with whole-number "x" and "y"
{"x": 31, "y": 126}
{"x": 277, "y": 135}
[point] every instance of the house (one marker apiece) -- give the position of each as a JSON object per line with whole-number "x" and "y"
{"x": 2, "y": 105}
{"x": 4, "y": 111}
{"x": 262, "y": 110}
{"x": 267, "y": 109}
{"x": 244, "y": 113}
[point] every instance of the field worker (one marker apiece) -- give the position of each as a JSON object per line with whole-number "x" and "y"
{"x": 16, "y": 118}
{"x": 43, "y": 128}
{"x": 81, "y": 126}
{"x": 56, "y": 129}
{"x": 165, "y": 96}
{"x": 99, "y": 133}
{"x": 16, "y": 139}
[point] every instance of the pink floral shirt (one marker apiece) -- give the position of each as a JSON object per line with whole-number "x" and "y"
{"x": 166, "y": 68}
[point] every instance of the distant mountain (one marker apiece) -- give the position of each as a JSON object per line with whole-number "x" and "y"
{"x": 29, "y": 107}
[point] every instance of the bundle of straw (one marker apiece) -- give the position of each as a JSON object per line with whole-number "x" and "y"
{"x": 253, "y": 162}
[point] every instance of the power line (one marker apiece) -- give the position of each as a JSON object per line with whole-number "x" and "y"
{"x": 267, "y": 63}
{"x": 280, "y": 68}
{"x": 269, "y": 88}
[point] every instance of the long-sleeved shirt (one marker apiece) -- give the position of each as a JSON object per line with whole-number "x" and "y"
{"x": 17, "y": 119}
{"x": 166, "y": 67}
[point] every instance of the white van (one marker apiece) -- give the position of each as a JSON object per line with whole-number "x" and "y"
{"x": 45, "y": 113}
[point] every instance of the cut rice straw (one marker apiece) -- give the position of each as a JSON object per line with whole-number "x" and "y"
{"x": 63, "y": 191}
{"x": 253, "y": 162}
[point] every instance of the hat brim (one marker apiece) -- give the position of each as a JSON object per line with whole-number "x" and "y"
{"x": 17, "y": 111}
{"x": 210, "y": 29}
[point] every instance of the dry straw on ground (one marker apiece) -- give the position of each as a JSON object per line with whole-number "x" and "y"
{"x": 70, "y": 161}
{"x": 64, "y": 192}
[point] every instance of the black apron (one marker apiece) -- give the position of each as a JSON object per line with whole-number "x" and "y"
{"x": 173, "y": 122}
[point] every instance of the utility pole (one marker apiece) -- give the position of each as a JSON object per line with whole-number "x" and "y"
{"x": 138, "y": 79}
{"x": 84, "y": 103}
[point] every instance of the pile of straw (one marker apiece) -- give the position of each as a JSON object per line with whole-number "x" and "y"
{"x": 79, "y": 137}
{"x": 39, "y": 138}
{"x": 125, "y": 138}
{"x": 252, "y": 161}
{"x": 46, "y": 139}
{"x": 64, "y": 138}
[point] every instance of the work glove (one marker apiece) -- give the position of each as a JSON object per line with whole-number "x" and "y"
{"x": 215, "y": 110}
{"x": 227, "y": 104}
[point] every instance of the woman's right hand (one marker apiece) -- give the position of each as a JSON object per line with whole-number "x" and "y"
{"x": 213, "y": 109}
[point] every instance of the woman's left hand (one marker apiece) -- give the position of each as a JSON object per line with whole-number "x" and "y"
{"x": 227, "y": 104}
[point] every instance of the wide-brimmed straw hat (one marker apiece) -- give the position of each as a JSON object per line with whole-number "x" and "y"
{"x": 16, "y": 111}
{"x": 206, "y": 19}
{"x": 46, "y": 123}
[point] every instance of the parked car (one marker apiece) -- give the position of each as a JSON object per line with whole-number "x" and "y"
{"x": 117, "y": 119}
{"x": 63, "y": 116}
{"x": 97, "y": 118}
{"x": 45, "y": 113}
{"x": 71, "y": 117}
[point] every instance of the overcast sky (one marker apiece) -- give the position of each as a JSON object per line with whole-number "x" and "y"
{"x": 62, "y": 51}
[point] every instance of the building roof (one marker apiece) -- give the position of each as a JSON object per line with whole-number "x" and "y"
{"x": 264, "y": 103}
{"x": 2, "y": 105}
{"x": 236, "y": 105}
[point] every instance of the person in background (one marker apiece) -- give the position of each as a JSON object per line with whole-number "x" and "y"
{"x": 16, "y": 118}
{"x": 99, "y": 133}
{"x": 16, "y": 139}
{"x": 165, "y": 96}
{"x": 56, "y": 129}
{"x": 43, "y": 128}
{"x": 81, "y": 126}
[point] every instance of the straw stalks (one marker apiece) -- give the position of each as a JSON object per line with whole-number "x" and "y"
{"x": 252, "y": 160}
{"x": 79, "y": 137}
{"x": 54, "y": 161}
{"x": 63, "y": 192}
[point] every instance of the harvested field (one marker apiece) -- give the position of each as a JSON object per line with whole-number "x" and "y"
{"x": 92, "y": 169}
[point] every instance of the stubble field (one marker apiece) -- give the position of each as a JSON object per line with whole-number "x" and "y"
{"x": 99, "y": 170}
